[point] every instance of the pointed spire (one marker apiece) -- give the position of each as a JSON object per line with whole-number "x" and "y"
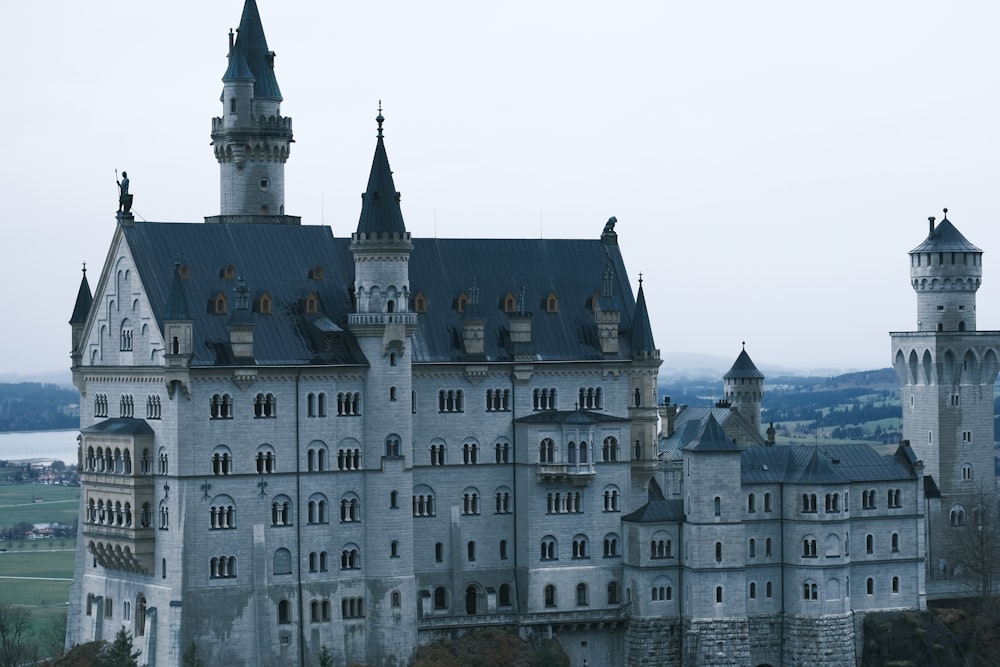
{"x": 380, "y": 211}
{"x": 251, "y": 46}
{"x": 177, "y": 306}
{"x": 642, "y": 332}
{"x": 712, "y": 438}
{"x": 84, "y": 299}
{"x": 743, "y": 367}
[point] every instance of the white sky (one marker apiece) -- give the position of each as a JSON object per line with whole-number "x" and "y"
{"x": 770, "y": 164}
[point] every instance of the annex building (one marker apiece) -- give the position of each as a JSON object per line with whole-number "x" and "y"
{"x": 291, "y": 440}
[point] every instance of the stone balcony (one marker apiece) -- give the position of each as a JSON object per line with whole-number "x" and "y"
{"x": 580, "y": 617}
{"x": 577, "y": 474}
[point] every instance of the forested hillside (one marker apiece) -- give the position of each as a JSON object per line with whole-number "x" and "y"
{"x": 31, "y": 406}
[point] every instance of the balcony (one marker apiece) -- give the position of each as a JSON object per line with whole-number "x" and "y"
{"x": 577, "y": 474}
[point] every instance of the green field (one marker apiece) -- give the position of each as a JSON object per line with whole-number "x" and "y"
{"x": 43, "y": 569}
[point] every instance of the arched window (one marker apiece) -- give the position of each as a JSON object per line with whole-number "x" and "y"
{"x": 550, "y": 595}
{"x": 580, "y": 547}
{"x": 547, "y": 451}
{"x": 440, "y": 598}
{"x": 581, "y": 595}
{"x": 282, "y": 561}
{"x": 610, "y": 449}
{"x": 284, "y": 612}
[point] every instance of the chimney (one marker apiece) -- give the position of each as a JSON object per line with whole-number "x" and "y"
{"x": 930, "y": 233}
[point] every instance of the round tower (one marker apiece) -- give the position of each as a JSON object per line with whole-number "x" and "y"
{"x": 945, "y": 272}
{"x": 744, "y": 388}
{"x": 251, "y": 138}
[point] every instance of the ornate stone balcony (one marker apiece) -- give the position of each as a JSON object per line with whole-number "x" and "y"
{"x": 576, "y": 474}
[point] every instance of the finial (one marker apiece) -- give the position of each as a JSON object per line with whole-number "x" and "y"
{"x": 177, "y": 262}
{"x": 744, "y": 346}
{"x": 379, "y": 119}
{"x": 640, "y": 279}
{"x": 84, "y": 268}
{"x": 945, "y": 215}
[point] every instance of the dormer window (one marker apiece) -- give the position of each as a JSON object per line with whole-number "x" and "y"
{"x": 264, "y": 304}
{"x": 461, "y": 302}
{"x": 312, "y": 304}
{"x": 595, "y": 302}
{"x": 552, "y": 303}
{"x": 228, "y": 272}
{"x": 219, "y": 304}
{"x": 509, "y": 303}
{"x": 420, "y": 303}
{"x": 316, "y": 273}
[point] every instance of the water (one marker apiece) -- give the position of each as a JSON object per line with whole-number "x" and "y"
{"x": 41, "y": 445}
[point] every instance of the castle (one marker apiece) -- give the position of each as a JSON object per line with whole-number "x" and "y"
{"x": 292, "y": 441}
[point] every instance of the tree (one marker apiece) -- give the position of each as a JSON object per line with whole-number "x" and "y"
{"x": 325, "y": 657}
{"x": 976, "y": 544}
{"x": 15, "y": 646}
{"x": 53, "y": 637}
{"x": 119, "y": 652}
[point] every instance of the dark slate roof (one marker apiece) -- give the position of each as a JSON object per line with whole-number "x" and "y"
{"x": 177, "y": 305}
{"x": 120, "y": 426}
{"x": 642, "y": 333}
{"x": 276, "y": 259}
{"x": 712, "y": 439}
{"x": 252, "y": 45}
{"x": 657, "y": 511}
{"x": 931, "y": 489}
{"x": 743, "y": 367}
{"x": 380, "y": 211}
{"x": 568, "y": 417}
{"x": 688, "y": 424}
{"x": 945, "y": 238}
{"x": 238, "y": 68}
{"x": 808, "y": 464}
{"x": 84, "y": 299}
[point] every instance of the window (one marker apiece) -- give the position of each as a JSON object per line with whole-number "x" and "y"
{"x": 957, "y": 515}
{"x": 318, "y": 509}
{"x": 140, "y": 615}
{"x": 451, "y": 400}
{"x": 751, "y": 503}
{"x": 470, "y": 453}
{"x": 423, "y": 502}
{"x": 394, "y": 500}
{"x": 753, "y": 548}
{"x": 396, "y": 600}
{"x": 546, "y": 451}
{"x": 152, "y": 406}
{"x": 221, "y": 406}
{"x": 753, "y": 590}
{"x": 718, "y": 506}
{"x": 503, "y": 549}
{"x": 544, "y": 399}
{"x": 809, "y": 502}
{"x": 611, "y": 546}
{"x": 967, "y": 472}
{"x": 126, "y": 406}
{"x": 810, "y": 590}
{"x": 223, "y": 567}
{"x": 895, "y": 585}
{"x": 470, "y": 551}
{"x": 868, "y": 500}
{"x": 349, "y": 459}
{"x": 503, "y": 598}
{"x": 767, "y": 547}
{"x": 265, "y": 406}
{"x": 718, "y": 594}
{"x": 550, "y": 595}
{"x": 966, "y": 437}
{"x": 870, "y": 586}
{"x": 581, "y": 595}
{"x": 768, "y": 590}
{"x": 392, "y": 445}
{"x": 895, "y": 542}
{"x": 350, "y": 557}
{"x": 348, "y": 404}
{"x": 222, "y": 513}
{"x": 503, "y": 501}
{"x": 222, "y": 461}
{"x": 767, "y": 502}
{"x": 498, "y": 400}
{"x": 895, "y": 496}
{"x": 503, "y": 452}
{"x": 718, "y": 552}
{"x": 316, "y": 457}
{"x": 125, "y": 337}
{"x": 219, "y": 304}
{"x": 612, "y": 499}
{"x": 266, "y": 460}
{"x": 350, "y": 508}
{"x": 610, "y": 449}
{"x": 352, "y": 607}
{"x": 832, "y": 503}
{"x": 392, "y": 390}
{"x": 282, "y": 561}
{"x": 614, "y": 597}
{"x": 470, "y": 501}
{"x": 101, "y": 405}
{"x": 564, "y": 503}
{"x": 591, "y": 398}
{"x": 437, "y": 454}
{"x": 440, "y": 598}
{"x": 869, "y": 544}
{"x": 580, "y": 547}
{"x": 281, "y": 511}
{"x": 549, "y": 548}
{"x": 660, "y": 547}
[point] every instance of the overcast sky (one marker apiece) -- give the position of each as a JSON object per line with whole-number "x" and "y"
{"x": 770, "y": 164}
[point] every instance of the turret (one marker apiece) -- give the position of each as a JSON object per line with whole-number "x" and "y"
{"x": 642, "y": 394}
{"x": 945, "y": 272}
{"x": 178, "y": 334}
{"x": 251, "y": 138}
{"x": 744, "y": 388}
{"x": 78, "y": 320}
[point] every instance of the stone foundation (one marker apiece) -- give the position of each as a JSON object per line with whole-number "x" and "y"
{"x": 653, "y": 641}
{"x": 718, "y": 643}
{"x": 825, "y": 641}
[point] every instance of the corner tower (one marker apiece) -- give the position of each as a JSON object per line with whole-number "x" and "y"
{"x": 946, "y": 371}
{"x": 251, "y": 138}
{"x": 744, "y": 387}
{"x": 642, "y": 398}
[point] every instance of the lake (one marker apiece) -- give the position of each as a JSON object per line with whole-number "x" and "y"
{"x": 43, "y": 445}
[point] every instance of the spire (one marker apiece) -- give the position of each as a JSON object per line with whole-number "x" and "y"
{"x": 380, "y": 212}
{"x": 642, "y": 332}
{"x": 743, "y": 367}
{"x": 251, "y": 47}
{"x": 84, "y": 299}
{"x": 238, "y": 69}
{"x": 177, "y": 306}
{"x": 712, "y": 438}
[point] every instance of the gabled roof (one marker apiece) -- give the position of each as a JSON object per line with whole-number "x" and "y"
{"x": 277, "y": 259}
{"x": 657, "y": 511}
{"x": 252, "y": 47}
{"x": 380, "y": 211}
{"x": 120, "y": 426}
{"x": 945, "y": 238}
{"x": 568, "y": 417}
{"x": 84, "y": 299}
{"x": 810, "y": 464}
{"x": 689, "y": 423}
{"x": 642, "y": 332}
{"x": 743, "y": 367}
{"x": 712, "y": 439}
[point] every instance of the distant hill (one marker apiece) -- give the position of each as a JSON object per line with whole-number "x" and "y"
{"x": 34, "y": 406}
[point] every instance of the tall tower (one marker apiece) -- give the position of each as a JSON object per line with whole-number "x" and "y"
{"x": 946, "y": 371}
{"x": 744, "y": 387}
{"x": 383, "y": 326}
{"x": 642, "y": 398}
{"x": 251, "y": 138}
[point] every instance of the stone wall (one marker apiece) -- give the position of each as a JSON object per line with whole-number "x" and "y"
{"x": 653, "y": 641}
{"x": 718, "y": 643}
{"x": 765, "y": 640}
{"x": 826, "y": 641}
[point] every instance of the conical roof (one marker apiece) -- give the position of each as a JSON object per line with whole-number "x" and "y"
{"x": 945, "y": 238}
{"x": 84, "y": 299}
{"x": 642, "y": 332}
{"x": 238, "y": 68}
{"x": 251, "y": 46}
{"x": 380, "y": 211}
{"x": 743, "y": 368}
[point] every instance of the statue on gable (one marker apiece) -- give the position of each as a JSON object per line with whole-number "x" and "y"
{"x": 124, "y": 198}
{"x": 609, "y": 227}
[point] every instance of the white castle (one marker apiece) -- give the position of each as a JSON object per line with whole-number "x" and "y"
{"x": 291, "y": 441}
